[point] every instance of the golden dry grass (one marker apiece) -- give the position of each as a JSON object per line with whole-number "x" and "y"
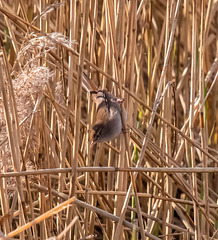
{"x": 158, "y": 180}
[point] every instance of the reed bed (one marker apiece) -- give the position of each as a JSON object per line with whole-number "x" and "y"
{"x": 158, "y": 179}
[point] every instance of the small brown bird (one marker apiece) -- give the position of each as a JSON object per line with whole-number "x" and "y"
{"x": 108, "y": 120}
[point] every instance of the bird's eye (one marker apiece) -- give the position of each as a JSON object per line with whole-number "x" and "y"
{"x": 97, "y": 131}
{"x": 97, "y": 135}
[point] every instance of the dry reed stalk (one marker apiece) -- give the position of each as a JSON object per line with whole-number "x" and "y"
{"x": 151, "y": 121}
{"x": 21, "y": 23}
{"x": 168, "y": 113}
{"x": 92, "y": 43}
{"x": 113, "y": 169}
{"x": 131, "y": 33}
{"x": 42, "y": 217}
{"x": 5, "y": 207}
{"x": 191, "y": 122}
{"x": 78, "y": 107}
{"x": 97, "y": 210}
{"x": 117, "y": 21}
{"x": 29, "y": 196}
{"x": 203, "y": 130}
{"x": 14, "y": 142}
{"x": 117, "y": 50}
{"x": 60, "y": 236}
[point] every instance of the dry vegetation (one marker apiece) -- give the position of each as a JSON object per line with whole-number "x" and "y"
{"x": 158, "y": 180}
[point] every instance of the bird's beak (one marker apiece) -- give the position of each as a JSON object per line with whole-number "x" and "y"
{"x": 92, "y": 144}
{"x": 119, "y": 100}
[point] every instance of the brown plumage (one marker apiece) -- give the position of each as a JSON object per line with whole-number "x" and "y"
{"x": 108, "y": 123}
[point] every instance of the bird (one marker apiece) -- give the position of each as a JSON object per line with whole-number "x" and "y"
{"x": 108, "y": 123}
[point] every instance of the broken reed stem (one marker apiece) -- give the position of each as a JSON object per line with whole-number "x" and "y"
{"x": 61, "y": 235}
{"x": 98, "y": 211}
{"x": 42, "y": 217}
{"x": 112, "y": 169}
